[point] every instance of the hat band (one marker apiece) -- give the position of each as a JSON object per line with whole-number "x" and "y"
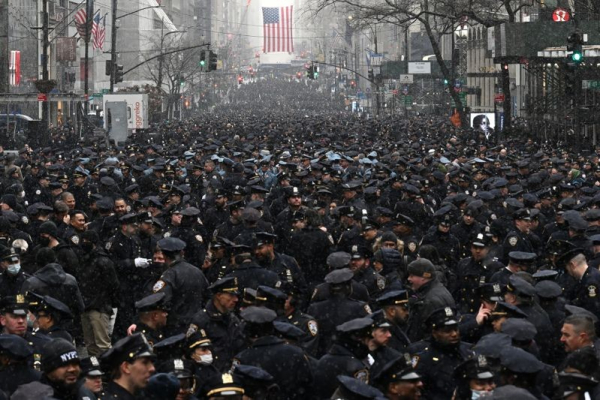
{"x": 233, "y": 389}
{"x": 199, "y": 342}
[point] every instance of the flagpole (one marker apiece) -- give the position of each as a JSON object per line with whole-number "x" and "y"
{"x": 86, "y": 57}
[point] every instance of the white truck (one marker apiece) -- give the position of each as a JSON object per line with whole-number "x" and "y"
{"x": 137, "y": 109}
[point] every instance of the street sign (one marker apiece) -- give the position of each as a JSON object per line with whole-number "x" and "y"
{"x": 499, "y": 97}
{"x": 105, "y": 91}
{"x": 42, "y": 97}
{"x": 561, "y": 15}
{"x": 419, "y": 67}
{"x": 97, "y": 95}
{"x": 406, "y": 78}
{"x": 590, "y": 84}
{"x": 408, "y": 100}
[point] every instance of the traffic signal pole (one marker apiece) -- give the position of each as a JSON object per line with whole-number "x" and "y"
{"x": 113, "y": 45}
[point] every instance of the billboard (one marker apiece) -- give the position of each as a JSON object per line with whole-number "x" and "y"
{"x": 484, "y": 122}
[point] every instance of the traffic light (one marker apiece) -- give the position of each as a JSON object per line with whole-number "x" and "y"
{"x": 309, "y": 71}
{"x": 371, "y": 75}
{"x": 353, "y": 84}
{"x": 181, "y": 80}
{"x": 575, "y": 45}
{"x": 212, "y": 61}
{"x": 240, "y": 79}
{"x": 570, "y": 80}
{"x": 298, "y": 75}
{"x": 202, "y": 59}
{"x": 108, "y": 68}
{"x": 118, "y": 73}
{"x": 315, "y": 72}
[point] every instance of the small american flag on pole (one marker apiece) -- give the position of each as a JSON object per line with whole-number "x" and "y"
{"x": 99, "y": 31}
{"x": 277, "y": 29}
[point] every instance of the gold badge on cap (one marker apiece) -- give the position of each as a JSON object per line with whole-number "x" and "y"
{"x": 449, "y": 312}
{"x": 227, "y": 378}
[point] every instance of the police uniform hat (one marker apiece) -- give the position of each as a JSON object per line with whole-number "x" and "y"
{"x": 595, "y": 240}
{"x": 441, "y": 318}
{"x": 258, "y": 315}
{"x": 574, "y": 310}
{"x": 548, "y": 289}
{"x": 566, "y": 257}
{"x": 369, "y": 225}
{"x": 507, "y": 310}
{"x": 558, "y": 247}
{"x": 338, "y": 260}
{"x": 511, "y": 392}
{"x": 491, "y": 344}
{"x": 475, "y": 367}
{"x": 339, "y": 276}
{"x": 56, "y": 185}
{"x": 49, "y": 304}
{"x": 263, "y": 238}
{"x": 225, "y": 285}
{"x": 14, "y": 305}
{"x": 15, "y": 347}
{"x": 402, "y": 219}
{"x": 379, "y": 320}
{"x": 517, "y": 360}
{"x": 127, "y": 349}
{"x": 90, "y": 366}
{"x": 190, "y": 212}
{"x": 519, "y": 329}
{"x": 132, "y": 188}
{"x": 223, "y": 385}
{"x": 520, "y": 286}
{"x": 196, "y": 338}
{"x": 358, "y": 252}
{"x": 492, "y": 292}
{"x": 285, "y": 330}
{"x": 48, "y": 228}
{"x": 481, "y": 240}
{"x": 521, "y": 257}
{"x": 57, "y": 353}
{"x": 170, "y": 347}
{"x": 178, "y": 367}
{"x": 545, "y": 275}
{"x": 592, "y": 215}
{"x": 269, "y": 295}
{"x": 152, "y": 302}
{"x": 293, "y": 192}
{"x": 577, "y": 224}
{"x": 397, "y": 370}
{"x": 171, "y": 244}
{"x": 353, "y": 389}
{"x": 254, "y": 378}
{"x": 422, "y": 268}
{"x": 250, "y": 215}
{"x": 393, "y": 298}
{"x": 9, "y": 254}
{"x": 572, "y": 383}
{"x": 249, "y": 297}
{"x": 358, "y": 327}
{"x": 522, "y": 214}
{"x": 127, "y": 219}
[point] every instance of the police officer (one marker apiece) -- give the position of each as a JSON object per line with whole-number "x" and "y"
{"x": 346, "y": 356}
{"x": 518, "y": 261}
{"x": 152, "y": 315}
{"x": 437, "y": 357}
{"x": 248, "y": 273}
{"x": 447, "y": 244}
{"x": 189, "y": 232}
{"x": 220, "y": 322}
{"x": 474, "y": 377}
{"x": 52, "y": 316}
{"x": 129, "y": 363}
{"x": 12, "y": 276}
{"x": 340, "y": 260}
{"x": 338, "y": 308}
{"x": 518, "y": 238}
{"x": 184, "y": 285}
{"x": 16, "y": 366}
{"x": 586, "y": 293}
{"x": 520, "y": 369}
{"x": 273, "y": 355}
{"x": 394, "y": 305}
{"x": 398, "y": 379}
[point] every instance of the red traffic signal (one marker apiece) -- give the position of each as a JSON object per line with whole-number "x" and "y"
{"x": 353, "y": 83}
{"x": 298, "y": 75}
{"x": 240, "y": 80}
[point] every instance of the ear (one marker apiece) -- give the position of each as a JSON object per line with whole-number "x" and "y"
{"x": 125, "y": 368}
{"x": 2, "y": 319}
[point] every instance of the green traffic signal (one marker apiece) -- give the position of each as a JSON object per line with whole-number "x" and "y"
{"x": 202, "y": 63}
{"x": 577, "y": 57}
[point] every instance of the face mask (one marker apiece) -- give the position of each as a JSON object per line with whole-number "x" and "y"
{"x": 205, "y": 359}
{"x": 44, "y": 241}
{"x": 13, "y": 269}
{"x": 476, "y": 394}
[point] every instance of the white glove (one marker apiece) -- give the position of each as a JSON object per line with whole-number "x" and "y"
{"x": 141, "y": 262}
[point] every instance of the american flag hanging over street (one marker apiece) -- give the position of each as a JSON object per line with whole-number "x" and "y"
{"x": 99, "y": 31}
{"x": 277, "y": 29}
{"x": 80, "y": 18}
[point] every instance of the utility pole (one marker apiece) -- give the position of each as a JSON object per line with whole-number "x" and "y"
{"x": 89, "y": 14}
{"x": 4, "y": 47}
{"x": 113, "y": 45}
{"x": 45, "y": 74}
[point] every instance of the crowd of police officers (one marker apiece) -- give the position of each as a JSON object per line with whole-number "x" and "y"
{"x": 259, "y": 254}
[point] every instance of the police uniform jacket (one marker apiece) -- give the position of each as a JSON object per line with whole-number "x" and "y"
{"x": 429, "y": 297}
{"x": 112, "y": 391}
{"x": 185, "y": 288}
{"x": 251, "y": 275}
{"x": 586, "y": 293}
{"x": 471, "y": 274}
{"x": 10, "y": 285}
{"x": 436, "y": 363}
{"x": 338, "y": 361}
{"x": 224, "y": 331}
{"x": 14, "y": 375}
{"x": 309, "y": 326}
{"x": 286, "y": 363}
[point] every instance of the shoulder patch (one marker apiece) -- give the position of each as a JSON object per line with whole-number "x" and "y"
{"x": 592, "y": 291}
{"x": 75, "y": 239}
{"x": 167, "y": 234}
{"x": 108, "y": 245}
{"x": 158, "y": 286}
{"x": 199, "y": 238}
{"x": 380, "y": 282}
{"x": 313, "y": 328}
{"x": 513, "y": 240}
{"x": 415, "y": 361}
{"x": 362, "y": 375}
{"x": 24, "y": 219}
{"x": 368, "y": 309}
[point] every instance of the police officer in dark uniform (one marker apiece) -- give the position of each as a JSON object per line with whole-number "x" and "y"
{"x": 12, "y": 276}
{"x": 586, "y": 293}
{"x": 473, "y": 272}
{"x": 394, "y": 305}
{"x": 81, "y": 190}
{"x": 233, "y": 225}
{"x": 518, "y": 238}
{"x": 51, "y": 315}
{"x": 346, "y": 356}
{"x": 339, "y": 260}
{"x": 129, "y": 363}
{"x": 184, "y": 285}
{"x": 283, "y": 265}
{"x": 338, "y": 308}
{"x": 274, "y": 355}
{"x": 219, "y": 213}
{"x": 364, "y": 272}
{"x": 16, "y": 370}
{"x": 125, "y": 250}
{"x": 305, "y": 322}
{"x": 447, "y": 244}
{"x": 188, "y": 231}
{"x": 248, "y": 273}
{"x": 437, "y": 357}
{"x": 220, "y": 323}
{"x": 517, "y": 261}
{"x": 152, "y": 317}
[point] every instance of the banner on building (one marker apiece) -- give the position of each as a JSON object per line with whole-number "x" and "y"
{"x": 66, "y": 49}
